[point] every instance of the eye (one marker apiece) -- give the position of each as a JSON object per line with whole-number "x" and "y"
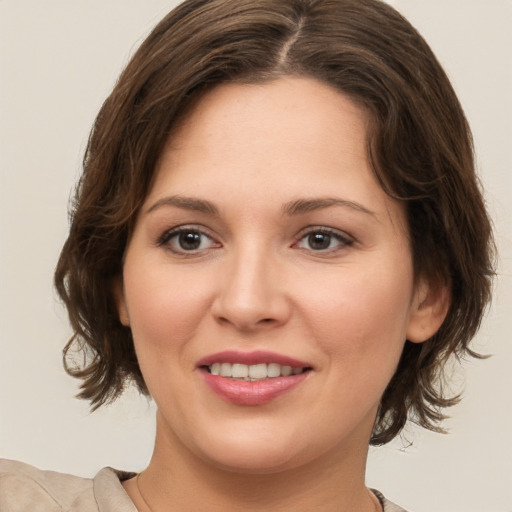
{"x": 186, "y": 240}
{"x": 324, "y": 240}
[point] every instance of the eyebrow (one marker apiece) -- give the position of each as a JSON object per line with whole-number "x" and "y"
{"x": 186, "y": 203}
{"x": 301, "y": 206}
{"x": 297, "y": 207}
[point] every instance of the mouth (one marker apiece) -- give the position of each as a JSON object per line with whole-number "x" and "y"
{"x": 254, "y": 378}
{"x": 253, "y": 372}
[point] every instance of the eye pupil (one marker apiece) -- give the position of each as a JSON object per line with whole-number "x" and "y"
{"x": 190, "y": 240}
{"x": 319, "y": 241}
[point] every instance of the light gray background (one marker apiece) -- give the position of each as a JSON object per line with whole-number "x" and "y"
{"x": 58, "y": 61}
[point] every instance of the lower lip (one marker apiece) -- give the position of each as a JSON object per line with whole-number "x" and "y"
{"x": 242, "y": 392}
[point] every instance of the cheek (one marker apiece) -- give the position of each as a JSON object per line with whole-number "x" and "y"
{"x": 361, "y": 316}
{"x": 165, "y": 308}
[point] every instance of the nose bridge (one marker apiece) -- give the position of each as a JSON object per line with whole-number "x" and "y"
{"x": 250, "y": 294}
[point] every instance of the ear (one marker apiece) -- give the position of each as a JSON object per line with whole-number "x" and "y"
{"x": 429, "y": 309}
{"x": 120, "y": 299}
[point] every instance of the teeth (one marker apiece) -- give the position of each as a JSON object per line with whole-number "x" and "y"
{"x": 253, "y": 371}
{"x": 257, "y": 371}
{"x": 286, "y": 370}
{"x": 273, "y": 370}
{"x": 225, "y": 370}
{"x": 240, "y": 371}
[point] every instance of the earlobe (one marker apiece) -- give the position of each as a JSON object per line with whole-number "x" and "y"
{"x": 430, "y": 307}
{"x": 122, "y": 310}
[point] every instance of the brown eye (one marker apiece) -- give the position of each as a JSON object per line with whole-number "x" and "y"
{"x": 189, "y": 240}
{"x": 324, "y": 240}
{"x": 319, "y": 241}
{"x": 186, "y": 240}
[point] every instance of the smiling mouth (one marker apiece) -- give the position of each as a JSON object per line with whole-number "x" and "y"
{"x": 253, "y": 372}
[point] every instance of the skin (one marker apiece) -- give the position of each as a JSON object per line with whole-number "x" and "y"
{"x": 257, "y": 282}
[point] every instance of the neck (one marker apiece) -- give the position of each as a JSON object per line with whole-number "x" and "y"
{"x": 177, "y": 480}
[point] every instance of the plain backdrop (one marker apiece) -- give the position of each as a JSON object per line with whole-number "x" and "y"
{"x": 58, "y": 61}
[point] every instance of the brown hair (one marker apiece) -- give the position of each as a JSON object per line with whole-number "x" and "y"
{"x": 419, "y": 145}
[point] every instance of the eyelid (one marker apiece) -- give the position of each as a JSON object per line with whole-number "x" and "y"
{"x": 168, "y": 234}
{"x": 343, "y": 237}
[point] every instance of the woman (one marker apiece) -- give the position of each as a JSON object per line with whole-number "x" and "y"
{"x": 280, "y": 237}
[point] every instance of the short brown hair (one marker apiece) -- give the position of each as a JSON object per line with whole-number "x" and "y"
{"x": 419, "y": 145}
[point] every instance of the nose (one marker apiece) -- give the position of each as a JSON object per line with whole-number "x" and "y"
{"x": 251, "y": 293}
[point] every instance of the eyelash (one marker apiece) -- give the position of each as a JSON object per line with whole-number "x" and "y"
{"x": 166, "y": 238}
{"x": 343, "y": 239}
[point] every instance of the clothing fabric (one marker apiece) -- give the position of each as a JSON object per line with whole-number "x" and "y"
{"x": 24, "y": 488}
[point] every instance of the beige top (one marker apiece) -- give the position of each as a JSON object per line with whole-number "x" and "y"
{"x": 24, "y": 488}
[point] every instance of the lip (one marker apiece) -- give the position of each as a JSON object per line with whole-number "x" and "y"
{"x": 258, "y": 392}
{"x": 249, "y": 358}
{"x": 241, "y": 392}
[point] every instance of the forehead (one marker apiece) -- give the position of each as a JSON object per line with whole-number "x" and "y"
{"x": 273, "y": 142}
{"x": 278, "y": 123}
{"x": 286, "y": 110}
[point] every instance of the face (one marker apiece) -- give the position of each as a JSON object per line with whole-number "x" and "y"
{"x": 269, "y": 283}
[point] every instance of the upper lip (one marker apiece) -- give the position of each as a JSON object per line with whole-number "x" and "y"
{"x": 250, "y": 358}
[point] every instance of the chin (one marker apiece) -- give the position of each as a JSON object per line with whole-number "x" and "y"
{"x": 256, "y": 462}
{"x": 250, "y": 454}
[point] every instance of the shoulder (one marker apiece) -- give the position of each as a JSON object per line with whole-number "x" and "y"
{"x": 24, "y": 488}
{"x": 387, "y": 505}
